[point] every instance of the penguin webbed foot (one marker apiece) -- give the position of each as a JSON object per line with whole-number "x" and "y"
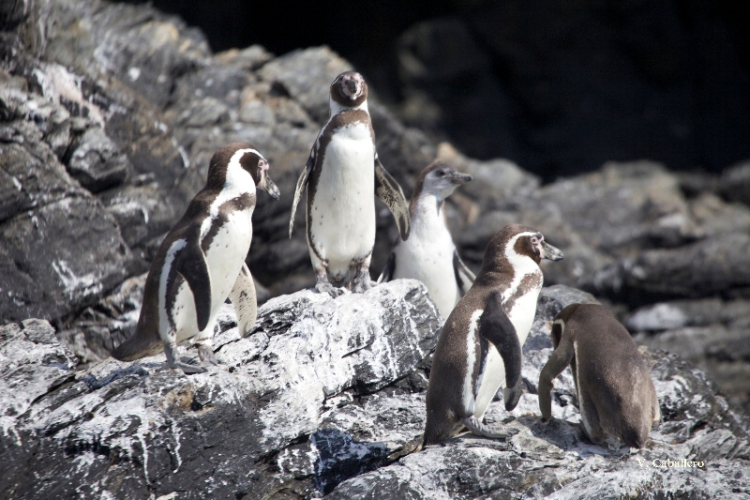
{"x": 326, "y": 287}
{"x": 362, "y": 282}
{"x": 480, "y": 428}
{"x": 187, "y": 365}
{"x": 206, "y": 353}
{"x": 361, "y": 286}
{"x": 323, "y": 285}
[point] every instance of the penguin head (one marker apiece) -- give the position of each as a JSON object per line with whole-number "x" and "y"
{"x": 257, "y": 166}
{"x": 440, "y": 180}
{"x": 515, "y": 241}
{"x": 348, "y": 90}
{"x": 233, "y": 163}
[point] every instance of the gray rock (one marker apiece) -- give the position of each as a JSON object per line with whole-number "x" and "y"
{"x": 623, "y": 208}
{"x": 735, "y": 183}
{"x": 703, "y": 268}
{"x": 60, "y": 258}
{"x": 556, "y": 460}
{"x": 96, "y": 162}
{"x": 686, "y": 313}
{"x": 200, "y": 435}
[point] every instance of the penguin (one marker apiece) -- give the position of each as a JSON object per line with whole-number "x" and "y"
{"x": 202, "y": 261}
{"x": 342, "y": 176}
{"x": 479, "y": 347}
{"x": 429, "y": 254}
{"x": 616, "y": 396}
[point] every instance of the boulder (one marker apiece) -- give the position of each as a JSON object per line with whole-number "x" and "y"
{"x": 324, "y": 398}
{"x": 136, "y": 429}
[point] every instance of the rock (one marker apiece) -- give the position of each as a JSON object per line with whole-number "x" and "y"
{"x": 311, "y": 403}
{"x": 703, "y": 268}
{"x": 212, "y": 434}
{"x": 735, "y": 183}
{"x": 722, "y": 352}
{"x": 686, "y": 313}
{"x": 436, "y": 58}
{"x": 556, "y": 460}
{"x": 96, "y": 162}
{"x": 60, "y": 258}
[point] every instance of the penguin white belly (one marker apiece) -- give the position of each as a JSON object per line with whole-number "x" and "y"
{"x": 490, "y": 381}
{"x": 224, "y": 258}
{"x": 430, "y": 260}
{"x": 343, "y": 209}
{"x": 522, "y": 314}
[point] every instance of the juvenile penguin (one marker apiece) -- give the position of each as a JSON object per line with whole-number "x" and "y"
{"x": 202, "y": 261}
{"x": 616, "y": 396}
{"x": 343, "y": 175}
{"x": 479, "y": 348}
{"x": 429, "y": 254}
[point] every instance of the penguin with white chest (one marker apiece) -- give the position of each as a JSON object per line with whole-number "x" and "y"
{"x": 429, "y": 254}
{"x": 342, "y": 176}
{"x": 616, "y": 396}
{"x": 479, "y": 348}
{"x": 201, "y": 262}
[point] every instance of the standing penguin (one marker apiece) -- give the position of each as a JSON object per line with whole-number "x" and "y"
{"x": 202, "y": 261}
{"x": 429, "y": 254}
{"x": 616, "y": 396}
{"x": 479, "y": 349}
{"x": 342, "y": 176}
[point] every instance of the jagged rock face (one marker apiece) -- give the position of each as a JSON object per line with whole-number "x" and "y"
{"x": 326, "y": 397}
{"x": 134, "y": 429}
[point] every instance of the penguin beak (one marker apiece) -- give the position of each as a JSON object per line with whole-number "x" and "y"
{"x": 550, "y": 252}
{"x": 270, "y": 187}
{"x": 459, "y": 178}
{"x": 351, "y": 85}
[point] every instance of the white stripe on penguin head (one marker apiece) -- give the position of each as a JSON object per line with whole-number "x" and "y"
{"x": 522, "y": 265}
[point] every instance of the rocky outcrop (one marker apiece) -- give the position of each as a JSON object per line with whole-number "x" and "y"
{"x": 326, "y": 396}
{"x": 248, "y": 427}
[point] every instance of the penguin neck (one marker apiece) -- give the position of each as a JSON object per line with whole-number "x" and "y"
{"x": 337, "y": 108}
{"x": 427, "y": 212}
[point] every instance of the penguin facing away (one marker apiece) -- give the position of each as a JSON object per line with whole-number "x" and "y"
{"x": 616, "y": 396}
{"x": 202, "y": 261}
{"x": 479, "y": 348}
{"x": 342, "y": 176}
{"x": 429, "y": 254}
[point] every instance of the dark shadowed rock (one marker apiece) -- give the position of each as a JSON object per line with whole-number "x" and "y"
{"x": 735, "y": 183}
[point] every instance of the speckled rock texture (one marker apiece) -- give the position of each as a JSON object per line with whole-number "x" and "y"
{"x": 326, "y": 397}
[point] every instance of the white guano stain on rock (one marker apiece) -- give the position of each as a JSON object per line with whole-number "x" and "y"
{"x": 88, "y": 284}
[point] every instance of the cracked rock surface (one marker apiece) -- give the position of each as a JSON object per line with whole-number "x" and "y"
{"x": 326, "y": 398}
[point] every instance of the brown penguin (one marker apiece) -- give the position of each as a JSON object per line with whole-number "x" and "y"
{"x": 201, "y": 262}
{"x": 479, "y": 349}
{"x": 616, "y": 396}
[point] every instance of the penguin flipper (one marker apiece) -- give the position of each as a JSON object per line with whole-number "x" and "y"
{"x": 464, "y": 277}
{"x": 190, "y": 262}
{"x": 390, "y": 267}
{"x": 245, "y": 301}
{"x": 390, "y": 193}
{"x": 557, "y": 362}
{"x": 496, "y": 327}
{"x": 301, "y": 185}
